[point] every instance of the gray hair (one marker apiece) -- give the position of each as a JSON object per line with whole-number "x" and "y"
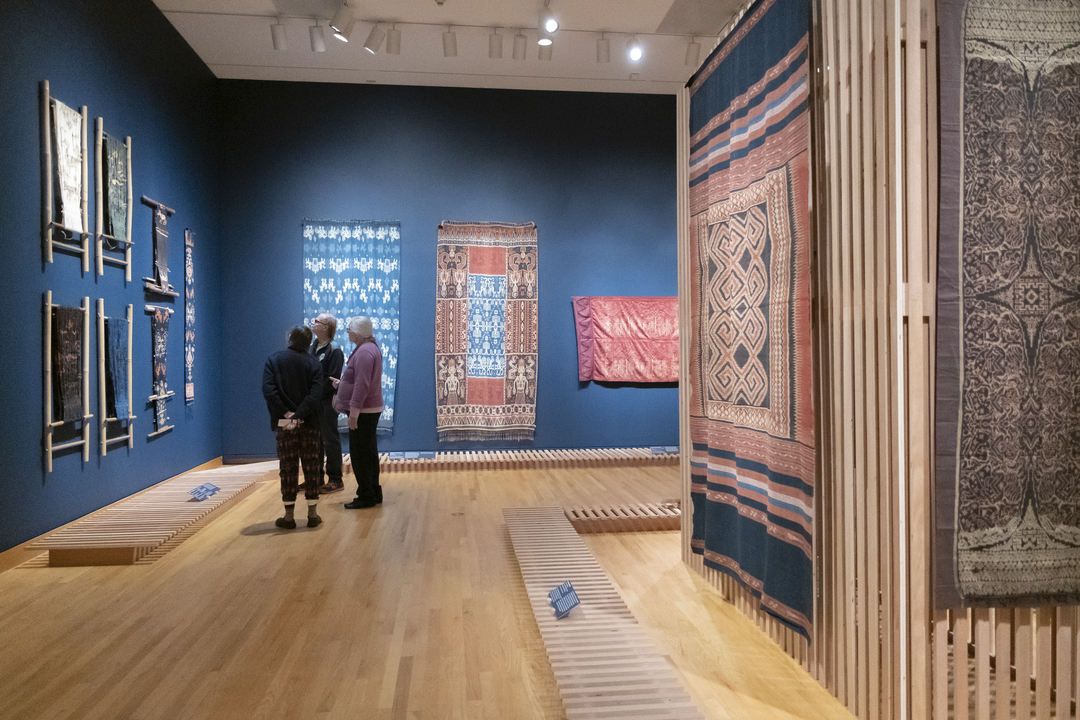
{"x": 361, "y": 325}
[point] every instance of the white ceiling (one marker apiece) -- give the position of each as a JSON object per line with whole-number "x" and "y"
{"x": 233, "y": 38}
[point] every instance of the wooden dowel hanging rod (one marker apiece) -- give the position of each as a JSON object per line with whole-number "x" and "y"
{"x": 153, "y": 308}
{"x": 155, "y": 203}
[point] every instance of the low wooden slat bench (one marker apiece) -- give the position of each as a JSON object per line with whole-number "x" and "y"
{"x": 523, "y": 459}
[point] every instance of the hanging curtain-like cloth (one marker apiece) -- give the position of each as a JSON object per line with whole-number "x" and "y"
{"x": 115, "y": 171}
{"x": 159, "y": 323}
{"x": 67, "y": 165}
{"x": 351, "y": 268}
{"x": 751, "y": 410}
{"x": 116, "y": 365}
{"x": 1007, "y": 419}
{"x": 67, "y": 362}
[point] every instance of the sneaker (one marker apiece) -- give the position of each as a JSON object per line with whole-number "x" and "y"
{"x": 331, "y": 487}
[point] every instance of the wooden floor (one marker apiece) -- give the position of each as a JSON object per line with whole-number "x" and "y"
{"x": 412, "y": 610}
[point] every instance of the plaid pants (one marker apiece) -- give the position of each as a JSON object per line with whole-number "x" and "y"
{"x": 300, "y": 446}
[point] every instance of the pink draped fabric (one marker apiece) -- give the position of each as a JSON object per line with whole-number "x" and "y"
{"x": 627, "y": 339}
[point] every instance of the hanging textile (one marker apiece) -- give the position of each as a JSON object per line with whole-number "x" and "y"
{"x": 160, "y": 282}
{"x": 115, "y": 175}
{"x": 67, "y": 363}
{"x": 485, "y": 331}
{"x": 751, "y": 408}
{"x": 67, "y": 166}
{"x": 189, "y": 316}
{"x": 1008, "y": 355}
{"x": 352, "y": 268}
{"x": 116, "y": 366}
{"x": 627, "y": 339}
{"x": 159, "y": 322}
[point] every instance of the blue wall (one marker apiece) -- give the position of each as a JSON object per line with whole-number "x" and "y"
{"x": 596, "y": 172}
{"x": 128, "y": 65}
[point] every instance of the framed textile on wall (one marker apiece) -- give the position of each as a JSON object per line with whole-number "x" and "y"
{"x": 627, "y": 339}
{"x": 1007, "y": 434}
{"x": 353, "y": 267}
{"x": 189, "y": 316}
{"x": 486, "y": 332}
{"x": 751, "y": 396}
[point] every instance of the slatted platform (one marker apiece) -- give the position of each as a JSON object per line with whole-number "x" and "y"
{"x": 522, "y": 459}
{"x": 131, "y": 530}
{"x": 604, "y": 663}
{"x": 643, "y": 517}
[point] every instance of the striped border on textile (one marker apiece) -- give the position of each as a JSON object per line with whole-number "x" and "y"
{"x": 752, "y": 419}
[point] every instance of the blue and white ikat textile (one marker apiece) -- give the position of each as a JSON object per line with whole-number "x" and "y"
{"x": 487, "y": 324}
{"x": 351, "y": 268}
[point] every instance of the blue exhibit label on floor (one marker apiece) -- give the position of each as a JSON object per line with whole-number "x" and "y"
{"x": 204, "y": 491}
{"x": 564, "y": 599}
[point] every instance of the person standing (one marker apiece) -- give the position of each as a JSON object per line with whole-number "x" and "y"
{"x": 292, "y": 386}
{"x": 360, "y": 397}
{"x": 332, "y": 361}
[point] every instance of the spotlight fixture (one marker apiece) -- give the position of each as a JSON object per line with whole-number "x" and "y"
{"x": 393, "y": 41}
{"x": 633, "y": 49}
{"x": 693, "y": 52}
{"x": 545, "y": 52}
{"x": 547, "y": 23}
{"x": 318, "y": 37}
{"x": 277, "y": 33}
{"x": 374, "y": 39}
{"x": 495, "y": 42}
{"x": 603, "y": 49}
{"x": 449, "y": 43}
{"x": 343, "y": 23}
{"x": 519, "y": 45}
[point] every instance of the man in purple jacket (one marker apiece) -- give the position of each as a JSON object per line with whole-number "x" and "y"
{"x": 360, "y": 397}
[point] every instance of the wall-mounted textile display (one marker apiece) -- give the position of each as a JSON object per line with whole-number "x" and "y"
{"x": 751, "y": 401}
{"x": 159, "y": 284}
{"x": 115, "y": 173}
{"x": 159, "y": 329}
{"x": 116, "y": 368}
{"x": 627, "y": 339}
{"x": 114, "y": 379}
{"x": 1008, "y": 333}
{"x": 351, "y": 268}
{"x": 67, "y": 139}
{"x": 67, "y": 363}
{"x": 486, "y": 331}
{"x": 189, "y": 316}
{"x": 65, "y": 168}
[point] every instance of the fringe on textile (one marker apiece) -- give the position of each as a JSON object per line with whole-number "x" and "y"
{"x": 476, "y": 435}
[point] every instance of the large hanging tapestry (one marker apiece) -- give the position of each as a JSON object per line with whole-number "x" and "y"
{"x": 751, "y": 406}
{"x": 352, "y": 268}
{"x": 189, "y": 316}
{"x": 116, "y": 368}
{"x": 627, "y": 339}
{"x": 67, "y": 363}
{"x": 1008, "y": 358}
{"x": 67, "y": 129}
{"x": 485, "y": 331}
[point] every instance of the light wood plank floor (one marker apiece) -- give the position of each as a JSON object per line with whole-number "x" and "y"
{"x": 412, "y": 610}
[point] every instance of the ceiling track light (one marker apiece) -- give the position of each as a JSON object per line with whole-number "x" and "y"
{"x": 318, "y": 37}
{"x": 544, "y": 52}
{"x": 277, "y": 33}
{"x": 634, "y": 49}
{"x": 519, "y": 45}
{"x": 548, "y": 22}
{"x": 393, "y": 41}
{"x": 343, "y": 23}
{"x": 374, "y": 39}
{"x": 495, "y": 44}
{"x": 449, "y": 43}
{"x": 693, "y": 52}
{"x": 603, "y": 49}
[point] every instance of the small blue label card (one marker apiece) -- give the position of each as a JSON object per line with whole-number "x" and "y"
{"x": 204, "y": 491}
{"x": 564, "y": 599}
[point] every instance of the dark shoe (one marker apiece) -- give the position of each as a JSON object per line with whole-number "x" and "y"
{"x": 286, "y": 524}
{"x": 331, "y": 487}
{"x": 378, "y": 495}
{"x": 359, "y": 504}
{"x": 314, "y": 521}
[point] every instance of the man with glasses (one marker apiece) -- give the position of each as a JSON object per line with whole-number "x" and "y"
{"x": 332, "y": 360}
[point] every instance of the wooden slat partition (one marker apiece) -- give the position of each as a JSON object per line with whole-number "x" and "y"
{"x": 523, "y": 459}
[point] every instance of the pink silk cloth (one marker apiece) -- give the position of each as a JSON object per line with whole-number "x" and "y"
{"x": 627, "y": 339}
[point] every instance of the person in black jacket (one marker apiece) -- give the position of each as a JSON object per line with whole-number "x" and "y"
{"x": 332, "y": 360}
{"x": 292, "y": 386}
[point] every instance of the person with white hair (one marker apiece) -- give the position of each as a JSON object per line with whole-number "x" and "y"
{"x": 360, "y": 397}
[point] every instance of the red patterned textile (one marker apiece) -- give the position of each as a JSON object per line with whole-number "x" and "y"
{"x": 486, "y": 332}
{"x": 627, "y": 339}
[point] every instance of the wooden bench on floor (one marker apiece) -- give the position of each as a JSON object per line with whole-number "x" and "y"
{"x": 604, "y": 663}
{"x": 642, "y": 517}
{"x": 521, "y": 459}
